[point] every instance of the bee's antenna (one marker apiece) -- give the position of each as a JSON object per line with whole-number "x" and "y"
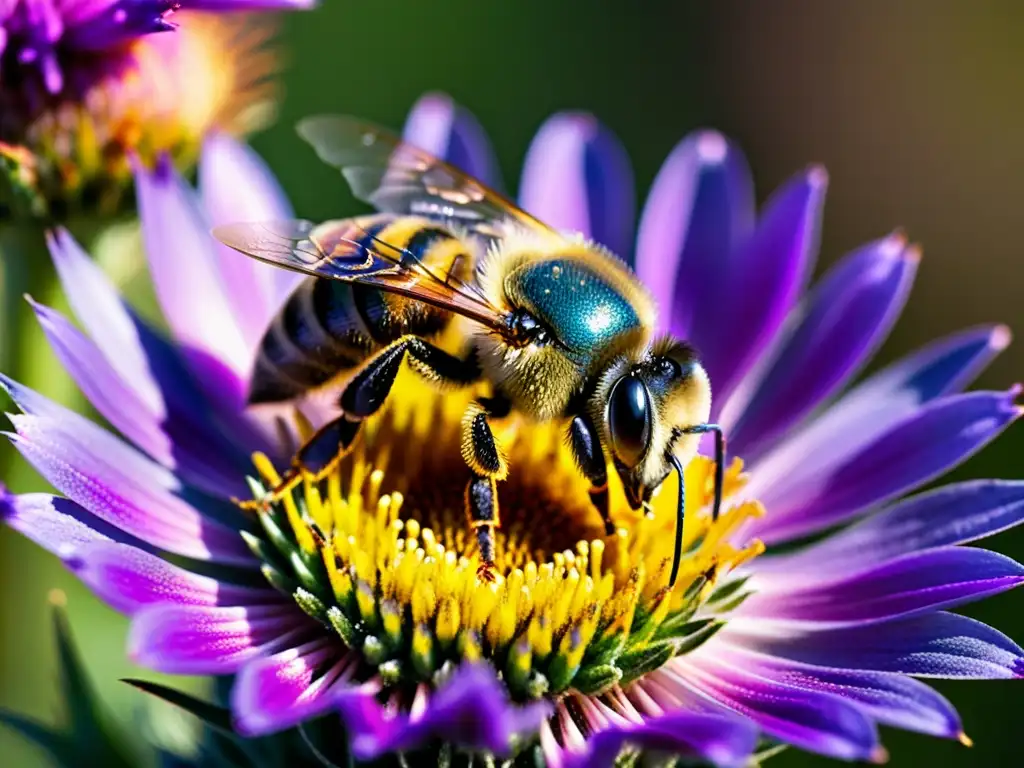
{"x": 680, "y": 518}
{"x": 699, "y": 429}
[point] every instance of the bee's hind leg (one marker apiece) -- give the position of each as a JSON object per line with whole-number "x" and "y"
{"x": 314, "y": 459}
{"x": 488, "y": 466}
{"x": 586, "y": 448}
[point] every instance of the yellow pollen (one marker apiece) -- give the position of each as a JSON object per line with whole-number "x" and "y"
{"x": 388, "y": 560}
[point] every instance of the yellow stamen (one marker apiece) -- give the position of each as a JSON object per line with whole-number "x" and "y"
{"x": 401, "y": 564}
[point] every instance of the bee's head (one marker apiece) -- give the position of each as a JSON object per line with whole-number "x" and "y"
{"x": 645, "y": 406}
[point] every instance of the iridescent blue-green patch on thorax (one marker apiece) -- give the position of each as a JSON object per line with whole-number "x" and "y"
{"x": 581, "y": 306}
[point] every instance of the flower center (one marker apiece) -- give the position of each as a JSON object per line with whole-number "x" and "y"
{"x": 381, "y": 553}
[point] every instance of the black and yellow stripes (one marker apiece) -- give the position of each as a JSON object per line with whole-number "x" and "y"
{"x": 330, "y": 326}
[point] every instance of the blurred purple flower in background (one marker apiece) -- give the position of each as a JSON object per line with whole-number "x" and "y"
{"x": 815, "y": 647}
{"x": 79, "y": 80}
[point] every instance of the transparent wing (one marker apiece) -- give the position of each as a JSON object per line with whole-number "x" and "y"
{"x": 396, "y": 177}
{"x": 345, "y": 250}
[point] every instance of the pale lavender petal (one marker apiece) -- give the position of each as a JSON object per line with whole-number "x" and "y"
{"x": 955, "y": 514}
{"x": 722, "y": 741}
{"x": 887, "y": 398}
{"x": 129, "y": 580}
{"x": 699, "y": 209}
{"x": 199, "y": 640}
{"x": 236, "y": 185}
{"x": 470, "y": 710}
{"x": 807, "y": 493}
{"x": 274, "y": 693}
{"x": 909, "y": 585}
{"x": 888, "y": 698}
{"x": 577, "y": 177}
{"x": 767, "y": 274}
{"x": 55, "y": 523}
{"x": 186, "y": 438}
{"x": 940, "y": 645}
{"x": 449, "y": 131}
{"x": 188, "y": 284}
{"x": 826, "y": 341}
{"x": 104, "y": 315}
{"x": 122, "y": 487}
{"x": 811, "y": 720}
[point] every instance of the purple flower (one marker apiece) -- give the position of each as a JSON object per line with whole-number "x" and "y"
{"x": 84, "y": 82}
{"x": 367, "y": 600}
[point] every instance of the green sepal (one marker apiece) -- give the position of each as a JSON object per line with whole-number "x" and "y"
{"x": 278, "y": 580}
{"x": 696, "y": 639}
{"x": 311, "y": 604}
{"x": 727, "y": 590}
{"x": 639, "y": 663}
{"x": 345, "y": 628}
{"x": 284, "y": 543}
{"x": 375, "y": 651}
{"x": 591, "y": 681}
{"x": 606, "y": 649}
{"x": 260, "y": 548}
{"x": 560, "y": 672}
{"x": 734, "y": 603}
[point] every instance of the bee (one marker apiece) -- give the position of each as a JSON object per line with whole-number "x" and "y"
{"x": 558, "y": 326}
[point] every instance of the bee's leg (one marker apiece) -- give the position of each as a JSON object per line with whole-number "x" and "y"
{"x": 314, "y": 459}
{"x": 703, "y": 429}
{"x": 363, "y": 396}
{"x": 488, "y": 465}
{"x": 482, "y": 510}
{"x": 586, "y": 447}
{"x": 369, "y": 388}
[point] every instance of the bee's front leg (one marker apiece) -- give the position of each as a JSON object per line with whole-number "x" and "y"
{"x": 586, "y": 448}
{"x": 315, "y": 459}
{"x": 487, "y": 465}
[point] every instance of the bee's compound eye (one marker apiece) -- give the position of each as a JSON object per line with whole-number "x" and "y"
{"x": 629, "y": 419}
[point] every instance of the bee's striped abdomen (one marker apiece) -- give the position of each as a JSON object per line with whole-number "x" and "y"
{"x": 315, "y": 336}
{"x": 329, "y": 326}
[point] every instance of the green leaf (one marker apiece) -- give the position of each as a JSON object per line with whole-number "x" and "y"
{"x": 218, "y": 718}
{"x": 55, "y": 744}
{"x": 85, "y": 736}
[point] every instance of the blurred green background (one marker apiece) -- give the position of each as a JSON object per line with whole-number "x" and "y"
{"x": 915, "y": 108}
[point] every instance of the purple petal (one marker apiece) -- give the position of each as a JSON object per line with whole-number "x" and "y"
{"x": 274, "y": 693}
{"x": 116, "y": 23}
{"x": 888, "y": 698}
{"x": 722, "y": 741}
{"x": 55, "y": 523}
{"x": 767, "y": 274}
{"x": 836, "y": 331}
{"x": 236, "y": 185}
{"x": 908, "y": 585}
{"x": 577, "y": 177}
{"x": 700, "y": 208}
{"x": 199, "y": 640}
{"x": 812, "y": 720}
{"x": 130, "y": 580}
{"x": 187, "y": 441}
{"x": 942, "y": 645}
{"x": 471, "y": 710}
{"x": 889, "y": 397}
{"x": 806, "y": 493}
{"x": 955, "y": 514}
{"x": 188, "y": 284}
{"x": 119, "y": 485}
{"x": 448, "y": 131}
